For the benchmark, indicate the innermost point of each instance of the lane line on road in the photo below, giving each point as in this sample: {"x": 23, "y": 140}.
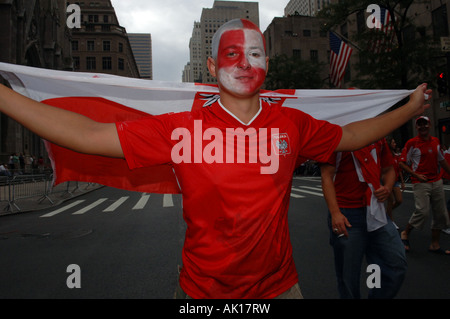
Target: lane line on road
{"x": 307, "y": 192}
{"x": 167, "y": 200}
{"x": 141, "y": 202}
{"x": 116, "y": 204}
{"x": 62, "y": 209}
{"x": 89, "y": 207}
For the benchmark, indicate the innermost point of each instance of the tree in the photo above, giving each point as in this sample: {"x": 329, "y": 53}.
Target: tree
{"x": 293, "y": 73}
{"x": 411, "y": 58}
{"x": 406, "y": 59}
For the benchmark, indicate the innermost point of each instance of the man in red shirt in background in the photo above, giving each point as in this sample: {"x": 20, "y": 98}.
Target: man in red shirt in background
{"x": 422, "y": 157}
{"x": 359, "y": 225}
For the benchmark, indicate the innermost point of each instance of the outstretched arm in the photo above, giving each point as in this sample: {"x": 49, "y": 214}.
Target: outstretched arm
{"x": 361, "y": 133}
{"x": 67, "y": 129}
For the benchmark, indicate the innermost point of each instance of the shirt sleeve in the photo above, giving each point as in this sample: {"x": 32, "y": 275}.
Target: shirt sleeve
{"x": 405, "y": 151}
{"x": 318, "y": 138}
{"x": 147, "y": 141}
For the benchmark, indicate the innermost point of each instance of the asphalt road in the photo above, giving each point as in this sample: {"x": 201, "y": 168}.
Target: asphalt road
{"x": 128, "y": 245}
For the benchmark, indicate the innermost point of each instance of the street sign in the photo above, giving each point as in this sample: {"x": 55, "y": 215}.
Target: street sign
{"x": 445, "y": 44}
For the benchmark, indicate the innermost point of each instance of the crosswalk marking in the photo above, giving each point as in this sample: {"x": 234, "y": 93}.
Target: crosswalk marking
{"x": 307, "y": 192}
{"x": 116, "y": 204}
{"x": 62, "y": 209}
{"x": 167, "y": 200}
{"x": 141, "y": 202}
{"x": 317, "y": 188}
{"x": 89, "y": 207}
{"x": 297, "y": 192}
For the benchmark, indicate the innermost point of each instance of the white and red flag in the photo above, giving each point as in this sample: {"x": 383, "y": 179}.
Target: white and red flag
{"x": 108, "y": 98}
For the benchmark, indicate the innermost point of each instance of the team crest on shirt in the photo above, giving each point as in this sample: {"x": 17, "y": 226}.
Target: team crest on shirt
{"x": 281, "y": 143}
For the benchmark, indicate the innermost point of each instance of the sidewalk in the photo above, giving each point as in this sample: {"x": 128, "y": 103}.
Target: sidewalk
{"x": 58, "y": 195}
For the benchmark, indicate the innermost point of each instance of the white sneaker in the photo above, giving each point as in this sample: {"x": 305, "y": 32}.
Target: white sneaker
{"x": 447, "y": 231}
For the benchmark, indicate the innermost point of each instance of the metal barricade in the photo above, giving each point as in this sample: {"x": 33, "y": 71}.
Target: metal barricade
{"x": 28, "y": 190}
{"x": 24, "y": 187}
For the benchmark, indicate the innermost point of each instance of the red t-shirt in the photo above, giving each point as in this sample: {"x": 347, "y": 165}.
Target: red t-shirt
{"x": 237, "y": 241}
{"x": 423, "y": 156}
{"x": 396, "y": 159}
{"x": 350, "y": 191}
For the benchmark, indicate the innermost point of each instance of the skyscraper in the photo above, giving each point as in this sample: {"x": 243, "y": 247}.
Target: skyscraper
{"x": 141, "y": 44}
{"x": 305, "y": 7}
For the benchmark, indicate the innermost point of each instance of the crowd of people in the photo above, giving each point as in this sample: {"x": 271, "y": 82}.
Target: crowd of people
{"x": 19, "y": 164}
{"x": 237, "y": 243}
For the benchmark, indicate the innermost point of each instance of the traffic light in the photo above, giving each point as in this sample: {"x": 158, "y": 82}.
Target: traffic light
{"x": 442, "y": 83}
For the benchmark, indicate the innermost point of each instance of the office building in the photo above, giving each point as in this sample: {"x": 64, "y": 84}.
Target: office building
{"x": 101, "y": 44}
{"x": 141, "y": 45}
{"x": 304, "y": 7}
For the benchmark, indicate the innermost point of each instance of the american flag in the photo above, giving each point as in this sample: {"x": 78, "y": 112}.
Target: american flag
{"x": 339, "y": 57}
{"x": 384, "y": 29}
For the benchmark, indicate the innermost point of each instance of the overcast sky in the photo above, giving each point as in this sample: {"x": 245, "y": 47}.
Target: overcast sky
{"x": 170, "y": 22}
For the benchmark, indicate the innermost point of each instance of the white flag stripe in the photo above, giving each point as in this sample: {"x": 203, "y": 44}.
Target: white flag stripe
{"x": 154, "y": 97}
{"x": 62, "y": 209}
{"x": 89, "y": 207}
{"x": 141, "y": 202}
{"x": 116, "y": 204}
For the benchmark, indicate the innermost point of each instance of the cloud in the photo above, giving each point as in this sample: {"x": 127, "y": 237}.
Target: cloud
{"x": 170, "y": 22}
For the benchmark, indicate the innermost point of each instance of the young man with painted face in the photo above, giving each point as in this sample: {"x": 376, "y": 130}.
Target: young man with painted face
{"x": 237, "y": 240}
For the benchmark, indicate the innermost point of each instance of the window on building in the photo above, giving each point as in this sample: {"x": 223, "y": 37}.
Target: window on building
{"x": 107, "y": 63}
{"x": 90, "y": 45}
{"x": 440, "y": 22}
{"x": 306, "y": 33}
{"x": 314, "y": 54}
{"x": 76, "y": 62}
{"x": 93, "y": 18}
{"x": 121, "y": 64}
{"x": 91, "y": 63}
{"x": 107, "y": 46}
{"x": 74, "y": 45}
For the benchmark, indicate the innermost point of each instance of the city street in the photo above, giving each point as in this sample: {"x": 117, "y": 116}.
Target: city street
{"x": 128, "y": 245}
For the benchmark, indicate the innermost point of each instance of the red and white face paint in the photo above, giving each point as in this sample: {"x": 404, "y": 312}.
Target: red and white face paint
{"x": 241, "y": 61}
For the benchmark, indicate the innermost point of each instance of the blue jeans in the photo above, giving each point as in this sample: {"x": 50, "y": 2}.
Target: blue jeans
{"x": 382, "y": 247}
